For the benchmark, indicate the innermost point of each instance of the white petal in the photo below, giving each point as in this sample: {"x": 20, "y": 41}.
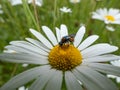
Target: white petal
{"x": 15, "y": 2}
{"x": 102, "y": 82}
{"x": 113, "y": 12}
{"x": 87, "y": 82}
{"x": 117, "y": 16}
{"x": 58, "y": 34}
{"x": 116, "y": 62}
{"x": 37, "y": 2}
{"x": 79, "y": 36}
{"x": 37, "y": 43}
{"x": 50, "y": 35}
{"x": 71, "y": 81}
{"x": 118, "y": 79}
{"x": 29, "y": 46}
{"x": 111, "y": 76}
{"x": 41, "y": 38}
{"x": 98, "y": 49}
{"x": 55, "y": 82}
{"x": 102, "y": 58}
{"x": 40, "y": 83}
{"x": 63, "y": 30}
{"x": 87, "y": 42}
{"x": 24, "y": 65}
{"x": 23, "y": 58}
{"x": 22, "y": 50}
{"x": 97, "y": 16}
{"x": 21, "y": 88}
{"x": 110, "y": 28}
{"x": 9, "y": 50}
{"x": 116, "y": 22}
{"x": 24, "y": 78}
{"x": 105, "y": 68}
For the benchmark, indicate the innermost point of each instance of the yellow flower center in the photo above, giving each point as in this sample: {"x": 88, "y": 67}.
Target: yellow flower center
{"x": 64, "y": 57}
{"x": 110, "y": 18}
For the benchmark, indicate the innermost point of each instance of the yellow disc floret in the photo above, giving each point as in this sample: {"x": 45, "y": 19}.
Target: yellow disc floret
{"x": 64, "y": 57}
{"x": 110, "y": 18}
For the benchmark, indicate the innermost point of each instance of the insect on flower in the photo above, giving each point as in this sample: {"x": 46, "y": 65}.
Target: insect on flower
{"x": 77, "y": 66}
{"x": 67, "y": 39}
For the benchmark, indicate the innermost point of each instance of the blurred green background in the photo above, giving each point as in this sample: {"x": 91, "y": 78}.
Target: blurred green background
{"x": 16, "y": 21}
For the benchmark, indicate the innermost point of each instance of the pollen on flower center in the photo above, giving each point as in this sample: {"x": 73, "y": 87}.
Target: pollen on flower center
{"x": 64, "y": 57}
{"x": 110, "y": 18}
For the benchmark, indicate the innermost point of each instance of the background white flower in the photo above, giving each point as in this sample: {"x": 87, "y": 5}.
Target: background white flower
{"x": 115, "y": 63}
{"x": 17, "y": 2}
{"x": 65, "y": 10}
{"x": 1, "y": 11}
{"x": 74, "y": 1}
{"x": 82, "y": 71}
{"x": 109, "y": 16}
{"x": 37, "y": 2}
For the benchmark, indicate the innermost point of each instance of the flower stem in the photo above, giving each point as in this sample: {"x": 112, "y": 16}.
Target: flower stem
{"x": 14, "y": 70}
{"x": 55, "y": 8}
{"x": 36, "y": 14}
{"x": 29, "y": 15}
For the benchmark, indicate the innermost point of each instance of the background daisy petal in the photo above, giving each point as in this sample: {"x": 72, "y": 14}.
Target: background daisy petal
{"x": 79, "y": 36}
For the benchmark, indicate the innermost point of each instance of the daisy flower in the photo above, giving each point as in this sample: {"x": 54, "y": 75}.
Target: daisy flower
{"x": 111, "y": 16}
{"x": 74, "y": 1}
{"x": 80, "y": 65}
{"x": 115, "y": 63}
{"x": 65, "y": 10}
{"x": 17, "y": 2}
